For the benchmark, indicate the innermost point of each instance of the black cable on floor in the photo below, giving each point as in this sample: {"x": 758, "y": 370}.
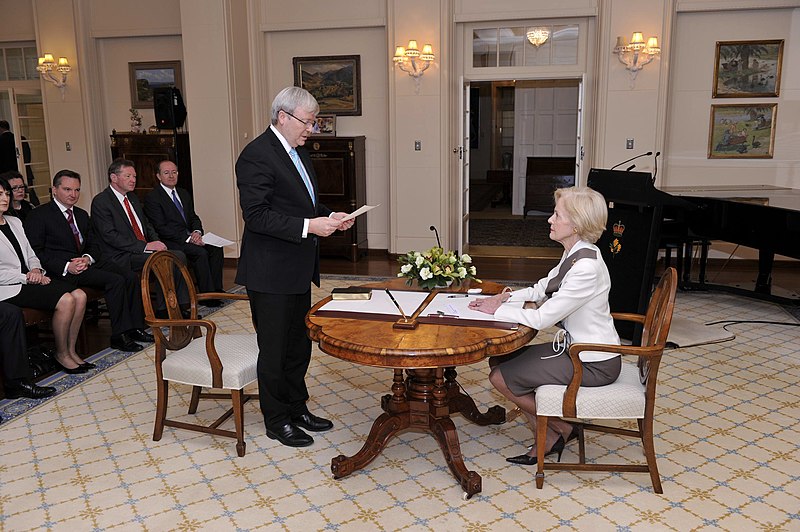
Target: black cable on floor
{"x": 735, "y": 322}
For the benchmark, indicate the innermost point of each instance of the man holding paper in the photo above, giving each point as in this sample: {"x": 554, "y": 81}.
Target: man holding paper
{"x": 284, "y": 220}
{"x": 171, "y": 211}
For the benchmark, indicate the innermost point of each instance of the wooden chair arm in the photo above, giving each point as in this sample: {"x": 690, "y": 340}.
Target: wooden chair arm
{"x": 569, "y": 406}
{"x": 628, "y": 316}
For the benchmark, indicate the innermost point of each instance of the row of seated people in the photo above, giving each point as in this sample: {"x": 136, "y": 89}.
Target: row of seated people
{"x": 59, "y": 248}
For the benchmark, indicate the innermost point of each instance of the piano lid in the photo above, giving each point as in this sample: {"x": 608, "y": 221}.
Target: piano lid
{"x": 767, "y": 195}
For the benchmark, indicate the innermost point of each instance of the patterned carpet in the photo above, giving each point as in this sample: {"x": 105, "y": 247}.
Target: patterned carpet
{"x": 533, "y": 231}
{"x": 727, "y": 433}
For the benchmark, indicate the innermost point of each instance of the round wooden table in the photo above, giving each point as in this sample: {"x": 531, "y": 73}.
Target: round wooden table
{"x": 424, "y": 397}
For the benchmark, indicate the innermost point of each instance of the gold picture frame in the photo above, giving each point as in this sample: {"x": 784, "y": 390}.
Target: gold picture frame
{"x": 748, "y": 69}
{"x": 334, "y": 80}
{"x": 326, "y": 125}
{"x": 148, "y": 75}
{"x": 742, "y": 131}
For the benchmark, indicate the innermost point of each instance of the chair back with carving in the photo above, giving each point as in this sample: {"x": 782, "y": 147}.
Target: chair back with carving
{"x": 163, "y": 266}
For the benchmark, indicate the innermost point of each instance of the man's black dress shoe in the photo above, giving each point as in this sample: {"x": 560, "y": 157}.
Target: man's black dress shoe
{"x": 290, "y": 435}
{"x": 15, "y": 390}
{"x": 123, "y": 343}
{"x": 311, "y": 422}
{"x": 139, "y": 335}
{"x": 212, "y": 303}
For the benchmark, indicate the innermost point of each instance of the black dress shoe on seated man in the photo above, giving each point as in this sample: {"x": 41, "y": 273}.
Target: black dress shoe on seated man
{"x": 123, "y": 343}
{"x": 140, "y": 335}
{"x": 23, "y": 388}
{"x": 311, "y": 422}
{"x": 290, "y": 435}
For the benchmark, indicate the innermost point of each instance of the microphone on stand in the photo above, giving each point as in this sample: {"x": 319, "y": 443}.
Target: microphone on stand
{"x": 655, "y": 166}
{"x": 438, "y": 242}
{"x": 631, "y": 159}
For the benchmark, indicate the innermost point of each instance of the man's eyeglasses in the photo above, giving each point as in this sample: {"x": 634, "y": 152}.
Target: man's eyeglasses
{"x": 308, "y": 123}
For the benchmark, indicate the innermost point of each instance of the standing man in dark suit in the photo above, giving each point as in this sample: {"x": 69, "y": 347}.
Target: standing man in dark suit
{"x": 284, "y": 220}
{"x": 171, "y": 211}
{"x": 8, "y": 148}
{"x": 60, "y": 235}
{"x": 125, "y": 235}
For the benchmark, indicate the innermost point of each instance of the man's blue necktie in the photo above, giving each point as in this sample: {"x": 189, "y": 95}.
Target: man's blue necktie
{"x": 296, "y": 160}
{"x": 177, "y": 203}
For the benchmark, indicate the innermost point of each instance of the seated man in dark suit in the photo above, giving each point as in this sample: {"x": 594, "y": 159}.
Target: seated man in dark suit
{"x": 124, "y": 234}
{"x": 60, "y": 234}
{"x": 171, "y": 211}
{"x": 17, "y": 373}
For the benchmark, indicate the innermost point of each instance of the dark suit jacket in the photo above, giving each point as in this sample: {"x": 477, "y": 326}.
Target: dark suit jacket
{"x": 51, "y": 237}
{"x": 113, "y": 230}
{"x": 275, "y": 258}
{"x": 165, "y": 217}
{"x": 8, "y": 152}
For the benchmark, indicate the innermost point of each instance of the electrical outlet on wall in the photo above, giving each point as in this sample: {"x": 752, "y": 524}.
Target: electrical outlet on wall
{"x": 628, "y": 144}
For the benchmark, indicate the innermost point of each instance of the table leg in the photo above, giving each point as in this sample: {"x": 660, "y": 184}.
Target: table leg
{"x": 384, "y": 428}
{"x": 460, "y": 402}
{"x": 444, "y": 430}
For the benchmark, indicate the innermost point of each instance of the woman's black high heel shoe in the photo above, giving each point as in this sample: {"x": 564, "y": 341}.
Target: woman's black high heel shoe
{"x": 70, "y": 371}
{"x": 526, "y": 459}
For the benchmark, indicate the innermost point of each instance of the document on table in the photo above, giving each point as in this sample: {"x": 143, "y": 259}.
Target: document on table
{"x": 215, "y": 240}
{"x": 457, "y": 306}
{"x": 380, "y": 303}
{"x": 358, "y": 212}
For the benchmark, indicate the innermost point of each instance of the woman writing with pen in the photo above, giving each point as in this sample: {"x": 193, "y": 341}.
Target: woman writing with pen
{"x": 574, "y": 296}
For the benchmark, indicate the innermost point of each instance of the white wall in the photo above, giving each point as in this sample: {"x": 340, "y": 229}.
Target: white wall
{"x": 370, "y": 43}
{"x": 691, "y": 81}
{"x": 114, "y": 55}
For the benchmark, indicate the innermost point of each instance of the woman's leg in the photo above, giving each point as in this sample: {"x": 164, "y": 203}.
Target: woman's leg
{"x": 527, "y": 403}
{"x": 75, "y": 324}
{"x": 62, "y": 320}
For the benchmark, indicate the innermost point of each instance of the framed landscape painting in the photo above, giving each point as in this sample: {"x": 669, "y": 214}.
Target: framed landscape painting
{"x": 334, "y": 80}
{"x": 742, "y": 131}
{"x": 748, "y": 69}
{"x": 149, "y": 75}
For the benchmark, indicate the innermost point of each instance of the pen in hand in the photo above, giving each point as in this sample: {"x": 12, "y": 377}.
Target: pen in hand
{"x": 396, "y": 304}
{"x": 458, "y": 295}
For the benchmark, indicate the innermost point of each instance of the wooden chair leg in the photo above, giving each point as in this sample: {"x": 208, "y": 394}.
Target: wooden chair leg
{"x": 646, "y": 429}
{"x": 541, "y": 441}
{"x": 238, "y": 420}
{"x": 195, "y": 400}
{"x": 581, "y": 444}
{"x": 162, "y": 391}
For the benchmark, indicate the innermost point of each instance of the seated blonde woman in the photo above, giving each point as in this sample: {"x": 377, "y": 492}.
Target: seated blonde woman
{"x": 23, "y": 283}
{"x": 574, "y": 296}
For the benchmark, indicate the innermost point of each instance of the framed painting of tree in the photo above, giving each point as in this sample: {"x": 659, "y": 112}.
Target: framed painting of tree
{"x": 748, "y": 69}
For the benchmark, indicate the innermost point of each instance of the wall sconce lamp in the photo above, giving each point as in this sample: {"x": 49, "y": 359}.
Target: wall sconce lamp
{"x": 636, "y": 54}
{"x": 406, "y": 59}
{"x": 46, "y": 66}
{"x": 537, "y": 36}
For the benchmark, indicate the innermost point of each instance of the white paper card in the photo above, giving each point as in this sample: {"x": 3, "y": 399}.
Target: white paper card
{"x": 358, "y": 212}
{"x": 214, "y": 240}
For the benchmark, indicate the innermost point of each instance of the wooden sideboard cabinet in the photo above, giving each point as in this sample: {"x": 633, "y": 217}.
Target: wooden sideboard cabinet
{"x": 340, "y": 165}
{"x": 147, "y": 150}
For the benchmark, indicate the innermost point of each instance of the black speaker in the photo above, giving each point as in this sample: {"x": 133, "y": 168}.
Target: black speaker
{"x": 169, "y": 108}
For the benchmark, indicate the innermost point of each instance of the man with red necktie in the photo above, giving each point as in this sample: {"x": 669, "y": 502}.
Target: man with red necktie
{"x": 60, "y": 235}
{"x": 125, "y": 235}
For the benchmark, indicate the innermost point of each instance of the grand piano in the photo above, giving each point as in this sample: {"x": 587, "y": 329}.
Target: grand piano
{"x": 642, "y": 218}
{"x": 762, "y": 217}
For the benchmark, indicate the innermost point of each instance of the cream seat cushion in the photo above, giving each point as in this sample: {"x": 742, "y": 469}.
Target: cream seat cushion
{"x": 237, "y": 352}
{"x": 622, "y": 399}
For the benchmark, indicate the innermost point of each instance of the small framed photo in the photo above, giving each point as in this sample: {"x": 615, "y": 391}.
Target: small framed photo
{"x": 742, "y": 131}
{"x": 748, "y": 69}
{"x": 334, "y": 80}
{"x": 326, "y": 125}
{"x": 149, "y": 75}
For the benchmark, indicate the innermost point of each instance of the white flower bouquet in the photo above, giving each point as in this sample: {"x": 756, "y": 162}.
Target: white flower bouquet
{"x": 436, "y": 267}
